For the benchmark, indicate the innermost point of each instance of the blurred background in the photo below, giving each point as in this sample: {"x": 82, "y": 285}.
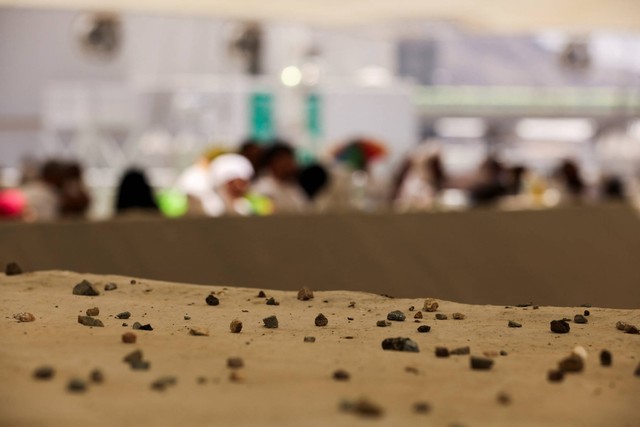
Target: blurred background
{"x": 338, "y": 105}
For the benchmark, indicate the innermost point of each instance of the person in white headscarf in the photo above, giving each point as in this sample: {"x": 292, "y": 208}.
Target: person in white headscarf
{"x": 230, "y": 176}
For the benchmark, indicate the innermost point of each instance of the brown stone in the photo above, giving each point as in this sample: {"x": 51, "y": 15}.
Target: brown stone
{"x": 430, "y": 305}
{"x": 24, "y": 317}
{"x": 235, "y": 326}
{"x": 305, "y": 294}
{"x": 93, "y": 311}
{"x": 129, "y": 338}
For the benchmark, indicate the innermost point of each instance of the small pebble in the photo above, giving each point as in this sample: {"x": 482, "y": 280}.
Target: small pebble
{"x": 212, "y": 300}
{"x": 637, "y": 371}
{"x": 503, "y": 398}
{"x": 631, "y": 329}
{"x": 383, "y": 323}
{"x": 605, "y": 358}
{"x": 129, "y": 338}
{"x": 235, "y": 377}
{"x": 321, "y": 320}
{"x": 201, "y": 380}
{"x": 461, "y": 351}
{"x": 421, "y": 407}
{"x": 97, "y": 376}
{"x": 572, "y": 363}
{"x": 555, "y": 376}
{"x": 12, "y": 269}
{"x": 424, "y": 328}
{"x": 123, "y": 315}
{"x": 110, "y": 286}
{"x": 440, "y": 316}
{"x": 400, "y": 344}
{"x": 85, "y": 288}
{"x": 24, "y": 317}
{"x": 503, "y": 353}
{"x": 272, "y": 301}
{"x": 187, "y": 317}
{"x": 146, "y": 327}
{"x": 412, "y": 308}
{"x": 418, "y": 315}
{"x": 235, "y": 326}
{"x": 352, "y": 304}
{"x": 133, "y": 281}
{"x": 430, "y": 305}
{"x": 90, "y": 321}
{"x": 162, "y": 383}
{"x": 363, "y": 407}
{"x": 199, "y": 332}
{"x": 261, "y": 294}
{"x": 235, "y": 362}
{"x": 93, "y": 311}
{"x": 411, "y": 369}
{"x": 442, "y": 352}
{"x": 458, "y": 316}
{"x": 309, "y": 339}
{"x": 513, "y": 324}
{"x": 560, "y": 327}
{"x": 44, "y": 373}
{"x": 305, "y": 294}
{"x": 587, "y": 313}
{"x": 480, "y": 363}
{"x": 621, "y": 326}
{"x": 270, "y": 322}
{"x": 350, "y": 318}
{"x": 396, "y": 315}
{"x": 579, "y": 318}
{"x": 76, "y": 385}
{"x": 341, "y": 375}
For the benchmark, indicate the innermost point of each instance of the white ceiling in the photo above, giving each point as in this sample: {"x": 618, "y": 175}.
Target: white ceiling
{"x": 490, "y": 15}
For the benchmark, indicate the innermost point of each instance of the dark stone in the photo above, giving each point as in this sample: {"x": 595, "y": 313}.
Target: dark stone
{"x": 418, "y": 315}
{"x": 458, "y": 316}
{"x": 421, "y": 407}
{"x": 526, "y": 304}
{"x": 309, "y": 339}
{"x": 135, "y": 361}
{"x": 162, "y": 383}
{"x": 235, "y": 362}
{"x": 350, "y": 318}
{"x": 110, "y": 286}
{"x": 305, "y": 294}
{"x": 400, "y": 344}
{"x": 383, "y": 323}
{"x": 513, "y": 324}
{"x": 261, "y": 294}
{"x": 76, "y": 385}
{"x": 187, "y": 317}
{"x": 579, "y": 318}
{"x": 555, "y": 376}
{"x": 631, "y": 329}
{"x": 503, "y": 398}
{"x": 139, "y": 326}
{"x": 366, "y": 408}
{"x": 396, "y": 315}
{"x": 352, "y": 304}
{"x": 424, "y": 328}
{"x": 341, "y": 375}
{"x": 605, "y": 358}
{"x": 481, "y": 363}
{"x": 587, "y": 313}
{"x": 441, "y": 316}
{"x": 44, "y": 373}
{"x": 272, "y": 301}
{"x": 637, "y": 371}
{"x": 270, "y": 322}
{"x": 140, "y": 365}
{"x": 412, "y": 308}
{"x": 90, "y": 321}
{"x": 621, "y": 326}
{"x": 321, "y": 320}
{"x": 133, "y": 281}
{"x": 573, "y": 363}
{"x": 235, "y": 326}
{"x": 133, "y": 356}
{"x": 12, "y": 269}
{"x": 442, "y": 352}
{"x": 461, "y": 351}
{"x": 503, "y": 353}
{"x": 123, "y": 315}
{"x": 212, "y": 300}
{"x": 93, "y": 311}
{"x": 97, "y": 376}
{"x": 129, "y": 338}
{"x": 85, "y": 288}
{"x": 560, "y": 327}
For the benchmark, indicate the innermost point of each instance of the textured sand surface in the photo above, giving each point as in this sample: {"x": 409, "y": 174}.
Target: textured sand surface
{"x": 286, "y": 381}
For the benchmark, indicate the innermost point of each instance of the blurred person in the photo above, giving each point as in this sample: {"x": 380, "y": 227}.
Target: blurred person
{"x": 569, "y": 178}
{"x": 279, "y": 180}
{"x": 421, "y": 182}
{"x": 612, "y": 188}
{"x": 42, "y": 196}
{"x": 253, "y": 151}
{"x": 195, "y": 183}
{"x": 75, "y": 198}
{"x": 491, "y": 183}
{"x": 134, "y": 194}
{"x": 314, "y": 180}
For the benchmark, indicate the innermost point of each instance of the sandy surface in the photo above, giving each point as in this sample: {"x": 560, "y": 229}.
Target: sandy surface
{"x": 286, "y": 381}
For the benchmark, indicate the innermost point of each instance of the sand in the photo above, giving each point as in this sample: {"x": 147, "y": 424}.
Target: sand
{"x": 288, "y": 382}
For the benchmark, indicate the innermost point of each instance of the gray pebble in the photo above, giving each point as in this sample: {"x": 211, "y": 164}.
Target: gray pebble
{"x": 76, "y": 385}
{"x": 12, "y": 269}
{"x": 309, "y": 339}
{"x": 400, "y": 344}
{"x": 123, "y": 315}
{"x": 270, "y": 322}
{"x": 513, "y": 324}
{"x": 383, "y": 323}
{"x": 212, "y": 300}
{"x": 481, "y": 363}
{"x": 579, "y": 318}
{"x": 90, "y": 321}
{"x": 44, "y": 373}
{"x": 441, "y": 316}
{"x": 110, "y": 286}
{"x": 85, "y": 288}
{"x": 396, "y": 315}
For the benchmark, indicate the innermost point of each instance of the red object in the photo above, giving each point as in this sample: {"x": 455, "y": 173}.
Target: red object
{"x": 12, "y": 203}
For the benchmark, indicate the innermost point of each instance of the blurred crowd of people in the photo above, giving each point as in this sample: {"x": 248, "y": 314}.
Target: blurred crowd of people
{"x": 266, "y": 178}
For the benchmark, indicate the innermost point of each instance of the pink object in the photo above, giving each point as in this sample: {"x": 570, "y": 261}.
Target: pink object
{"x": 12, "y": 203}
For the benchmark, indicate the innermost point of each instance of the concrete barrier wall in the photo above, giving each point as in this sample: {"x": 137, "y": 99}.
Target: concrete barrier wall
{"x": 557, "y": 257}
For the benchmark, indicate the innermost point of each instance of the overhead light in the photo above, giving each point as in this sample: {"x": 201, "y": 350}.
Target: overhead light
{"x": 568, "y": 130}
{"x": 454, "y": 127}
{"x": 291, "y": 76}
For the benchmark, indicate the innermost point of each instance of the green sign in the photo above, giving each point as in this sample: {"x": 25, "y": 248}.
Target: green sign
{"x": 314, "y": 126}
{"x": 262, "y": 116}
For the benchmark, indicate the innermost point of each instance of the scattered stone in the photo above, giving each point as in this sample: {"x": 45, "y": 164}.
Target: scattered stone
{"x": 76, "y": 385}
{"x": 309, "y": 339}
{"x": 235, "y": 362}
{"x": 199, "y": 332}
{"x": 85, "y": 288}
{"x": 187, "y": 317}
{"x": 272, "y": 301}
{"x": 412, "y": 308}
{"x": 270, "y": 322}
{"x": 235, "y": 377}
{"x": 480, "y": 363}
{"x": 411, "y": 369}
{"x": 605, "y": 358}
{"x": 110, "y": 286}
{"x": 24, "y": 317}
{"x": 133, "y": 281}
{"x": 587, "y": 313}
{"x": 201, "y": 380}
{"x": 579, "y": 318}
{"x": 261, "y": 294}
{"x": 503, "y": 398}
{"x": 536, "y": 307}
{"x": 503, "y": 353}
{"x": 442, "y": 352}
{"x": 418, "y": 315}
{"x": 136, "y": 361}
{"x": 560, "y": 327}
{"x": 44, "y": 373}
{"x": 350, "y": 318}
{"x": 440, "y": 316}
{"x": 123, "y": 315}
{"x": 400, "y": 344}
{"x": 396, "y": 315}
{"x": 235, "y": 326}
{"x": 458, "y": 316}
{"x": 96, "y": 376}
{"x": 363, "y": 408}
{"x": 572, "y": 363}
{"x": 305, "y": 294}
{"x": 125, "y": 324}
{"x": 321, "y": 320}
{"x": 141, "y": 327}
{"x": 421, "y": 407}
{"x": 513, "y": 324}
{"x": 526, "y": 304}
{"x": 212, "y": 300}
{"x": 352, "y": 304}
{"x": 133, "y": 356}
{"x": 341, "y": 375}
{"x": 430, "y": 305}
{"x": 424, "y": 328}
{"x": 90, "y": 321}
{"x": 621, "y": 326}
{"x": 93, "y": 311}
{"x": 383, "y": 323}
{"x": 129, "y": 338}
{"x": 461, "y": 351}
{"x": 631, "y": 329}
{"x": 162, "y": 383}
{"x": 12, "y": 269}
{"x": 555, "y": 376}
